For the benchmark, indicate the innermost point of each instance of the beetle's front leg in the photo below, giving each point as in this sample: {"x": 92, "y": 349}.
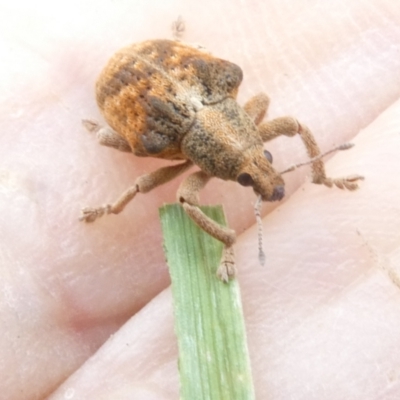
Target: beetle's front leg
{"x": 289, "y": 126}
{"x": 188, "y": 193}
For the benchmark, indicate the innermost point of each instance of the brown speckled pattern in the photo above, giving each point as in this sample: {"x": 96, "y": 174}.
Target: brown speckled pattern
{"x": 149, "y": 93}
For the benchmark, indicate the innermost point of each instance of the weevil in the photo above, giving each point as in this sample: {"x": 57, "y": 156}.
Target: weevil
{"x": 166, "y": 99}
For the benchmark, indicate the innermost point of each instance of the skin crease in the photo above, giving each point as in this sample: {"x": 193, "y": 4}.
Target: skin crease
{"x": 322, "y": 316}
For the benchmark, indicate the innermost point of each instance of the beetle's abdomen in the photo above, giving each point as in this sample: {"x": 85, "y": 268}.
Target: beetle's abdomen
{"x": 148, "y": 93}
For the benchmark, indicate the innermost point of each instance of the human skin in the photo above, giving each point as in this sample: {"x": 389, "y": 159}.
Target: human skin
{"x": 322, "y": 315}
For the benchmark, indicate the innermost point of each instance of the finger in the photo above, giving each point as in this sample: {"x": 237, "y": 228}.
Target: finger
{"x": 326, "y": 301}
{"x": 46, "y": 155}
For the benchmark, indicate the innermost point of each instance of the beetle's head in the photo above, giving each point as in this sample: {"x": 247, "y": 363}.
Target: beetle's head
{"x": 257, "y": 171}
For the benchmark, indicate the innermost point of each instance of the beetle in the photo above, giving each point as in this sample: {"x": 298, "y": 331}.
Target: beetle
{"x": 166, "y": 99}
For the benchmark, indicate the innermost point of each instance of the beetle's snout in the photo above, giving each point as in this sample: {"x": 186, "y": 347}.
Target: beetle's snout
{"x": 258, "y": 172}
{"x": 278, "y": 193}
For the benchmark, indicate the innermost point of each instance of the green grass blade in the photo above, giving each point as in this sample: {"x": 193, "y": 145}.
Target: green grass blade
{"x": 213, "y": 356}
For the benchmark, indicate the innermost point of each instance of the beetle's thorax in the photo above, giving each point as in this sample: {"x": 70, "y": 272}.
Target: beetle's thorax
{"x": 218, "y": 139}
{"x": 224, "y": 142}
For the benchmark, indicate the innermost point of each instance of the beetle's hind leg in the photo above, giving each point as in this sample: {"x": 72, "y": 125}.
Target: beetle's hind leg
{"x": 106, "y": 136}
{"x": 188, "y": 194}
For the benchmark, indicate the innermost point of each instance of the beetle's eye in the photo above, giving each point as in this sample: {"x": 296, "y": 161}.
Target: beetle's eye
{"x": 268, "y": 156}
{"x": 245, "y": 179}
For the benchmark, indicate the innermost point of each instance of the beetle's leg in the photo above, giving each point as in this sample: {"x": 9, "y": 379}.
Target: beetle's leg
{"x": 143, "y": 184}
{"x": 289, "y": 126}
{"x": 188, "y": 196}
{"x": 178, "y": 28}
{"x": 106, "y": 136}
{"x": 257, "y": 107}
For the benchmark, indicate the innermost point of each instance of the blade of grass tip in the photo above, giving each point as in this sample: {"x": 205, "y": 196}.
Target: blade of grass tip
{"x": 213, "y": 355}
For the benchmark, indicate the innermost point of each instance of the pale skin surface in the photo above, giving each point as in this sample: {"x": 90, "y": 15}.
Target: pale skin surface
{"x": 322, "y": 316}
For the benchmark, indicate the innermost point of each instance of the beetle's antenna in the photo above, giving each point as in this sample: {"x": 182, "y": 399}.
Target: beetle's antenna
{"x": 344, "y": 146}
{"x": 257, "y": 212}
{"x": 257, "y": 206}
